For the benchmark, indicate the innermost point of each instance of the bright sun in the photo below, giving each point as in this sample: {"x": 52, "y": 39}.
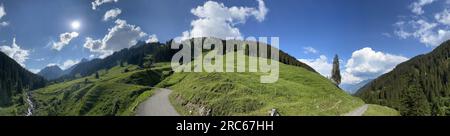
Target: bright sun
{"x": 75, "y": 25}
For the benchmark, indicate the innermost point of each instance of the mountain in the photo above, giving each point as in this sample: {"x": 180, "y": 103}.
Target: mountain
{"x": 54, "y": 72}
{"x": 117, "y": 84}
{"x": 352, "y": 88}
{"x": 14, "y": 80}
{"x": 298, "y": 92}
{"x": 134, "y": 55}
{"x": 419, "y": 86}
{"x": 51, "y": 72}
{"x": 161, "y": 52}
{"x": 114, "y": 92}
{"x": 69, "y": 70}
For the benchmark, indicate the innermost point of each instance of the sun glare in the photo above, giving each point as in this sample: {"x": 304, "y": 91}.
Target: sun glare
{"x": 75, "y": 25}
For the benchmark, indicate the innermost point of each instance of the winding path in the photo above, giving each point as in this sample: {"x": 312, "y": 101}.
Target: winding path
{"x": 157, "y": 105}
{"x": 358, "y": 112}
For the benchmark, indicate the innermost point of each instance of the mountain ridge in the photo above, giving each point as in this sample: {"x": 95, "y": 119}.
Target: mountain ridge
{"x": 419, "y": 86}
{"x": 353, "y": 88}
{"x": 161, "y": 52}
{"x": 51, "y": 72}
{"x": 15, "y": 80}
{"x": 54, "y": 71}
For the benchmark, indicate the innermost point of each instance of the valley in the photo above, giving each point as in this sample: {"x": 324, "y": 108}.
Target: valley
{"x": 127, "y": 83}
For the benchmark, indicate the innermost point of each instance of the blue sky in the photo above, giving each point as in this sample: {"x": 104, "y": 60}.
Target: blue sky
{"x": 370, "y": 36}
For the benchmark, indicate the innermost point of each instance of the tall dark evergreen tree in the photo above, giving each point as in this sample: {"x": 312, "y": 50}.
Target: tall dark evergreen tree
{"x": 96, "y": 75}
{"x": 121, "y": 64}
{"x": 336, "y": 72}
{"x": 415, "y": 102}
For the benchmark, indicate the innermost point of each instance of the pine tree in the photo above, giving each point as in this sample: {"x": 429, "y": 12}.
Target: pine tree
{"x": 148, "y": 61}
{"x": 96, "y": 75}
{"x": 121, "y": 64}
{"x": 415, "y": 101}
{"x": 336, "y": 72}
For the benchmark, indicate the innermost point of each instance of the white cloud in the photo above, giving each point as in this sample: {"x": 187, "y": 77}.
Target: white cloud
{"x": 431, "y": 32}
{"x": 69, "y": 63}
{"x": 428, "y": 33}
{"x": 368, "y": 64}
{"x": 217, "y": 20}
{"x": 364, "y": 64}
{"x": 98, "y": 47}
{"x": 65, "y": 65}
{"x": 52, "y": 64}
{"x": 348, "y": 78}
{"x": 112, "y": 14}
{"x": 41, "y": 59}
{"x": 15, "y": 52}
{"x": 93, "y": 45}
{"x": 35, "y": 71}
{"x": 97, "y": 3}
{"x": 4, "y": 24}
{"x": 122, "y": 35}
{"x": 417, "y": 7}
{"x": 320, "y": 64}
{"x": 64, "y": 39}
{"x": 2, "y": 11}
{"x": 152, "y": 39}
{"x": 388, "y": 35}
{"x": 435, "y": 38}
{"x": 308, "y": 50}
{"x": 262, "y": 11}
{"x": 443, "y": 17}
{"x": 2, "y": 14}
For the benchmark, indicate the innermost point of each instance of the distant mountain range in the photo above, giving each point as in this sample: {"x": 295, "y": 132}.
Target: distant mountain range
{"x": 51, "y": 72}
{"x": 14, "y": 80}
{"x": 55, "y": 72}
{"x": 352, "y": 88}
{"x": 419, "y": 86}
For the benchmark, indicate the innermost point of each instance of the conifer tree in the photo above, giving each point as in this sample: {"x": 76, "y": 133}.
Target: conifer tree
{"x": 336, "y": 72}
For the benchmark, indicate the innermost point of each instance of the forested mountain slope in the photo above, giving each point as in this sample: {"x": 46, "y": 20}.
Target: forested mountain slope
{"x": 419, "y": 86}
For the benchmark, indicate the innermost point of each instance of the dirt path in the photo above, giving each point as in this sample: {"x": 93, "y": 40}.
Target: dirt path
{"x": 157, "y": 105}
{"x": 358, "y": 112}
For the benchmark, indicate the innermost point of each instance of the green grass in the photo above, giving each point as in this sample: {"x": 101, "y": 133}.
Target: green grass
{"x": 5, "y": 111}
{"x": 19, "y": 108}
{"x": 377, "y": 110}
{"x": 297, "y": 92}
{"x": 115, "y": 93}
{"x": 15, "y": 110}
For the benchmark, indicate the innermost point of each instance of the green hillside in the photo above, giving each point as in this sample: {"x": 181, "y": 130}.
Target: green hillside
{"x": 118, "y": 88}
{"x": 377, "y": 110}
{"x": 419, "y": 86}
{"x": 14, "y": 81}
{"x": 297, "y": 92}
{"x": 117, "y": 91}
